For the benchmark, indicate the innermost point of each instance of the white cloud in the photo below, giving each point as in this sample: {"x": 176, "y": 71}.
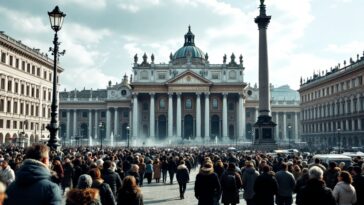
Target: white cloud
{"x": 349, "y": 48}
{"x": 136, "y": 5}
{"x": 83, "y": 34}
{"x": 94, "y": 4}
{"x": 23, "y": 21}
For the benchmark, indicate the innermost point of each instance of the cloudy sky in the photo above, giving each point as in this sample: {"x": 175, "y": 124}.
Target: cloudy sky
{"x": 102, "y": 36}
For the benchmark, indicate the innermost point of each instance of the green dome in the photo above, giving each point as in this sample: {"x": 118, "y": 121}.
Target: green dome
{"x": 189, "y": 50}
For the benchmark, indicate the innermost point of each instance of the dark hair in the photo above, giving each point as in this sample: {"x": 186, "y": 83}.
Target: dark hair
{"x": 37, "y": 152}
{"x": 266, "y": 168}
{"x": 317, "y": 160}
{"x": 284, "y": 166}
{"x": 332, "y": 165}
{"x": 231, "y": 166}
{"x": 107, "y": 164}
{"x": 346, "y": 177}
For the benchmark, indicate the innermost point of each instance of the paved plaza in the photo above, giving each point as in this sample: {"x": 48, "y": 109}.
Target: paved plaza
{"x": 163, "y": 194}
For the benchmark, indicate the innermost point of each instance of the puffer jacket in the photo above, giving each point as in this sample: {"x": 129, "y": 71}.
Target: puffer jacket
{"x": 33, "y": 185}
{"x": 344, "y": 193}
{"x": 249, "y": 177}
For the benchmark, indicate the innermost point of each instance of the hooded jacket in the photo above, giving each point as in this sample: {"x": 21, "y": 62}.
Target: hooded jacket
{"x": 249, "y": 177}
{"x": 33, "y": 184}
{"x": 182, "y": 174}
{"x": 344, "y": 193}
{"x": 207, "y": 186}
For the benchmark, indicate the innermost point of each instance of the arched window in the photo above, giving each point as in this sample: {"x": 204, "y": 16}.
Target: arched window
{"x": 188, "y": 103}
{"x": 162, "y": 104}
{"x": 215, "y": 104}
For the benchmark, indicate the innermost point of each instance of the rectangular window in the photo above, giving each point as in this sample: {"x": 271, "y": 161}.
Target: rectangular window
{"x": 84, "y": 114}
{"x": 15, "y": 107}
{"x": 103, "y": 114}
{"x": 17, "y": 63}
{"x": 16, "y": 88}
{"x": 44, "y": 95}
{"x": 8, "y": 108}
{"x": 3, "y": 83}
{"x": 11, "y": 61}
{"x": 28, "y": 67}
{"x": 22, "y": 108}
{"x": 37, "y": 93}
{"x": 32, "y": 110}
{"x": 26, "y": 109}
{"x": 2, "y": 105}
{"x": 15, "y": 124}
{"x": 215, "y": 76}
{"x": 1, "y": 123}
{"x": 360, "y": 79}
{"x": 126, "y": 114}
{"x": 37, "y": 111}
{"x": 33, "y": 70}
{"x": 45, "y": 75}
{"x": 8, "y": 122}
{"x": 50, "y": 77}
{"x": 23, "y": 65}
{"x": 38, "y": 72}
{"x": 3, "y": 57}
{"x": 44, "y": 112}
{"x": 22, "y": 89}
{"x": 28, "y": 91}
{"x": 10, "y": 85}
{"x": 33, "y": 93}
{"x": 49, "y": 96}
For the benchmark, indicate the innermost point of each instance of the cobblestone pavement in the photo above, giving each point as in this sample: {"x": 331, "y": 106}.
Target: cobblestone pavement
{"x": 163, "y": 194}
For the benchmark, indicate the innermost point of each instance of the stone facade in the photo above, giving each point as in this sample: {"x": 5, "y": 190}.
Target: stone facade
{"x": 25, "y": 92}
{"x": 332, "y": 106}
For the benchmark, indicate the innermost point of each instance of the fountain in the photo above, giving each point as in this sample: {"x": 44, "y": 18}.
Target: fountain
{"x": 90, "y": 141}
{"x": 112, "y": 139}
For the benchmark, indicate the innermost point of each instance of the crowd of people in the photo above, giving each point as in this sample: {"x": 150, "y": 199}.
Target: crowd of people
{"x": 116, "y": 175}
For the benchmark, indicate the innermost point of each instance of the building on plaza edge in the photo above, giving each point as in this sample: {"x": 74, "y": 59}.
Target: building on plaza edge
{"x": 186, "y": 99}
{"x": 332, "y": 106}
{"x": 25, "y": 92}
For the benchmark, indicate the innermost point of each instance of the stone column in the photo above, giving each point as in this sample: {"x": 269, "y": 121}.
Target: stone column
{"x": 135, "y": 116}
{"x": 358, "y": 106}
{"x": 198, "y": 115}
{"x": 75, "y": 123}
{"x": 256, "y": 114}
{"x": 108, "y": 123}
{"x": 96, "y": 123}
{"x": 152, "y": 116}
{"x": 277, "y": 127}
{"x": 359, "y": 124}
{"x": 170, "y": 115}
{"x": 224, "y": 116}
{"x": 179, "y": 117}
{"x": 296, "y": 126}
{"x": 89, "y": 123}
{"x": 353, "y": 122}
{"x": 347, "y": 124}
{"x": 241, "y": 114}
{"x": 284, "y": 126}
{"x": 116, "y": 122}
{"x": 207, "y": 116}
{"x": 68, "y": 129}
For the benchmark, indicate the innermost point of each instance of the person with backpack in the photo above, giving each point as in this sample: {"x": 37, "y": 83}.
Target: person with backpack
{"x": 106, "y": 195}
{"x": 230, "y": 184}
{"x": 183, "y": 177}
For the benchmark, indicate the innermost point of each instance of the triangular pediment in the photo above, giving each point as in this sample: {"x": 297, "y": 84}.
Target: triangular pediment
{"x": 189, "y": 77}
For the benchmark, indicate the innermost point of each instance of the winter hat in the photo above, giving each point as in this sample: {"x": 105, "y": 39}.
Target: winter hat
{"x": 84, "y": 181}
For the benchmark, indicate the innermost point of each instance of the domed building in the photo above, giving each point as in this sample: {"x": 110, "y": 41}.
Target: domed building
{"x": 188, "y": 98}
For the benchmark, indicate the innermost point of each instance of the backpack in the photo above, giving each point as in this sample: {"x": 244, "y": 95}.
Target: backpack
{"x": 228, "y": 182}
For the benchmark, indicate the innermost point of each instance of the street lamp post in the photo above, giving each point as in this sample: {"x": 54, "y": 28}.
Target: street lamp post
{"x": 56, "y": 19}
{"x": 128, "y": 135}
{"x": 289, "y": 136}
{"x": 338, "y": 138}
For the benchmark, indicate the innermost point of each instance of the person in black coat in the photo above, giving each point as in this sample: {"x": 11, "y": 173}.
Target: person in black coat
{"x": 230, "y": 184}
{"x": 183, "y": 177}
{"x": 134, "y": 171}
{"x": 207, "y": 185}
{"x": 265, "y": 187}
{"x": 315, "y": 192}
{"x": 110, "y": 177}
{"x": 172, "y": 167}
{"x": 358, "y": 183}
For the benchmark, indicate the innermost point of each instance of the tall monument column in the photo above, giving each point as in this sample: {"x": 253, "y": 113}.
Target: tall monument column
{"x": 264, "y": 127}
